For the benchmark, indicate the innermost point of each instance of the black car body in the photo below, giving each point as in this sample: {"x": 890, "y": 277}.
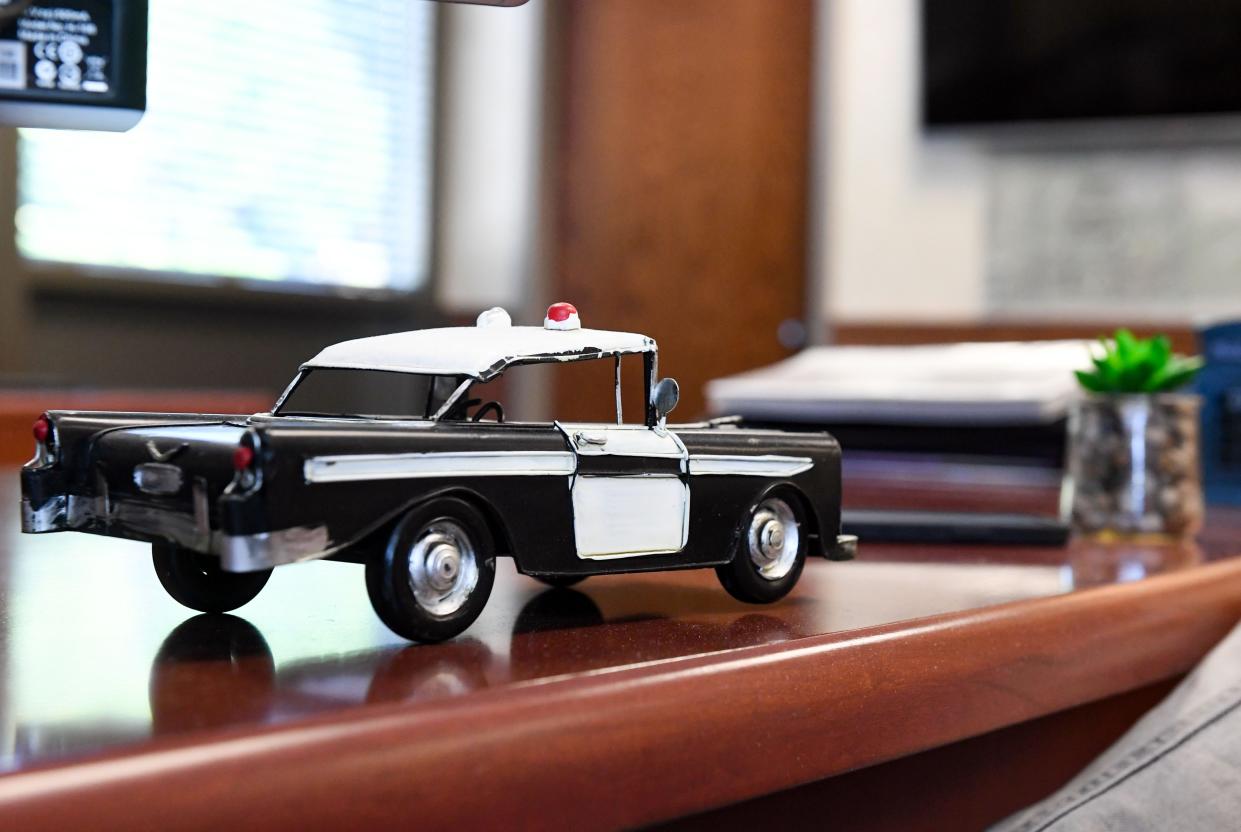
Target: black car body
{"x": 233, "y": 496}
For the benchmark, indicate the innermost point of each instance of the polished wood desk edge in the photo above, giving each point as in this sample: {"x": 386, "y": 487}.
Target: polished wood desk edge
{"x": 685, "y": 734}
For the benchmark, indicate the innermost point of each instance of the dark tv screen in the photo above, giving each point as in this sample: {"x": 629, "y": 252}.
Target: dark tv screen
{"x": 999, "y": 61}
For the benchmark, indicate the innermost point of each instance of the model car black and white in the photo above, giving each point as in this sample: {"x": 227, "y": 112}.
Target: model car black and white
{"x": 429, "y": 486}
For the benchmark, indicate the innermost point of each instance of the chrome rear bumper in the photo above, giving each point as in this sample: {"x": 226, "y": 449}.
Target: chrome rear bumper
{"x": 238, "y": 553}
{"x": 52, "y": 516}
{"x": 252, "y": 552}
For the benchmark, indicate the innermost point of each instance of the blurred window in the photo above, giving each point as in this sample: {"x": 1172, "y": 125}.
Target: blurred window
{"x": 287, "y": 140}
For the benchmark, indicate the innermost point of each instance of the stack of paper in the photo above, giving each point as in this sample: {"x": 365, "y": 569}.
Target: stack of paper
{"x": 973, "y": 383}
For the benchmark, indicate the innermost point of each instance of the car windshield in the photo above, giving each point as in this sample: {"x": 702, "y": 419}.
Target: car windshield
{"x": 369, "y": 394}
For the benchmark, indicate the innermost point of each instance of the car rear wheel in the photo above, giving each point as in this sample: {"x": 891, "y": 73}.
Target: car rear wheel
{"x": 197, "y": 581}
{"x": 435, "y": 575}
{"x": 770, "y": 553}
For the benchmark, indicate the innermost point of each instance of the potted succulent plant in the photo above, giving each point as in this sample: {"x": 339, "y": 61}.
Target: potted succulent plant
{"x": 1133, "y": 464}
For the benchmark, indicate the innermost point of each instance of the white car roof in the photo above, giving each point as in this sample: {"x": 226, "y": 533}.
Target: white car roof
{"x": 478, "y": 352}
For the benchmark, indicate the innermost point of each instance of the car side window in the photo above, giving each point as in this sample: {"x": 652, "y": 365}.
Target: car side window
{"x": 574, "y": 391}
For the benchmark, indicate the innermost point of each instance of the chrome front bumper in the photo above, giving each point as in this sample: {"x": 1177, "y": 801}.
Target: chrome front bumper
{"x": 844, "y": 549}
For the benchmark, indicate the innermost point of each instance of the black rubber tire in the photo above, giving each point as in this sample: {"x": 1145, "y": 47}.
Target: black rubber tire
{"x": 560, "y": 581}
{"x": 388, "y": 578}
{"x": 741, "y": 577}
{"x": 196, "y": 580}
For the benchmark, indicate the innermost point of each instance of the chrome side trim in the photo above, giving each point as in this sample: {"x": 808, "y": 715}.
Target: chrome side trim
{"x": 354, "y": 467}
{"x": 748, "y": 466}
{"x": 51, "y": 517}
{"x": 252, "y": 552}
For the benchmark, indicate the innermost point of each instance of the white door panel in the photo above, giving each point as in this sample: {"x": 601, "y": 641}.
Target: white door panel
{"x": 619, "y": 516}
{"x": 642, "y": 511}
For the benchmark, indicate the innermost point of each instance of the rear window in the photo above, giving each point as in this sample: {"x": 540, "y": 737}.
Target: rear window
{"x": 368, "y": 393}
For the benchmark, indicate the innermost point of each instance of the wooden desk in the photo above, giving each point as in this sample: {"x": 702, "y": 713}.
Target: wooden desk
{"x": 952, "y": 683}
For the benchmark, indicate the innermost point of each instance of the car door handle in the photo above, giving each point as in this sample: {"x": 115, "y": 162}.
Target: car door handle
{"x": 590, "y": 438}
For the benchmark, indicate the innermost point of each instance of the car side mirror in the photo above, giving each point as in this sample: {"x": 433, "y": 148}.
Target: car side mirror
{"x": 665, "y": 396}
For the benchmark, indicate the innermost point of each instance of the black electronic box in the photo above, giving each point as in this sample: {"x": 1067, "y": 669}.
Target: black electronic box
{"x": 73, "y": 64}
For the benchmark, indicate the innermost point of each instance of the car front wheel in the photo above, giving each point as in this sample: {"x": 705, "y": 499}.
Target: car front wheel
{"x": 435, "y": 575}
{"x": 770, "y": 553}
{"x": 197, "y": 581}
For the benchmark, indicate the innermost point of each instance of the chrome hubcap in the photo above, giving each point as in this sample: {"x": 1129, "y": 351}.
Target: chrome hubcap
{"x": 443, "y": 567}
{"x": 774, "y": 539}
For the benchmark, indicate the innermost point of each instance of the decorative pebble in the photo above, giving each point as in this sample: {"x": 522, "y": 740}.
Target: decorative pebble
{"x": 1165, "y": 495}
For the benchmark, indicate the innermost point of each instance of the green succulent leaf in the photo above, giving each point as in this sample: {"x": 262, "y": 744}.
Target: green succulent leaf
{"x": 1176, "y": 373}
{"x": 1091, "y": 381}
{"x": 1126, "y": 345}
{"x": 1128, "y": 364}
{"x": 1107, "y": 365}
{"x": 1160, "y": 350}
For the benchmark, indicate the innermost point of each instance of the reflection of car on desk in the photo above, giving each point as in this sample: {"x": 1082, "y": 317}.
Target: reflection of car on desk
{"x": 372, "y": 456}
{"x": 554, "y": 632}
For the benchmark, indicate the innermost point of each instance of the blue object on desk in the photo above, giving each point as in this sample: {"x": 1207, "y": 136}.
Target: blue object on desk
{"x": 1219, "y": 384}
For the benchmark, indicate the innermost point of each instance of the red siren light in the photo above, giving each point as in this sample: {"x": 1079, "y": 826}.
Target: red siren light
{"x": 562, "y": 315}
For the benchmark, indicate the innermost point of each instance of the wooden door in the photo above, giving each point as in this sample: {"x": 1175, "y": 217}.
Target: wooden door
{"x": 680, "y": 176}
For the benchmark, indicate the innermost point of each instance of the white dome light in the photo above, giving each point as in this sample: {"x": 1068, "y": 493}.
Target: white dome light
{"x": 494, "y": 317}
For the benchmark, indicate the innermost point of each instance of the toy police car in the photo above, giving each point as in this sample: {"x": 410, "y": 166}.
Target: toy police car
{"x": 372, "y": 455}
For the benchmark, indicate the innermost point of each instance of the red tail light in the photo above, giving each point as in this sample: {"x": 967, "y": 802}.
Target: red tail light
{"x": 42, "y": 429}
{"x": 243, "y": 457}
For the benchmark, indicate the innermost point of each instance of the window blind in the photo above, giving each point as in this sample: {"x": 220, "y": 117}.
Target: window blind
{"x": 287, "y": 140}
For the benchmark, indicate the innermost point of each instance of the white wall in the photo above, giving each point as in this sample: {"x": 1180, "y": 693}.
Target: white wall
{"x": 902, "y": 217}
{"x": 490, "y": 143}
